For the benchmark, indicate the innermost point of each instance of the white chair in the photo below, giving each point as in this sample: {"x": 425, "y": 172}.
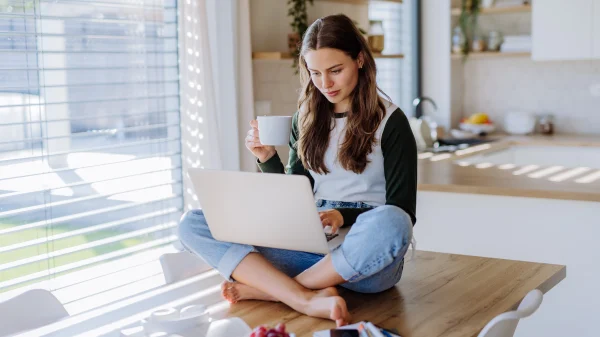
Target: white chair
{"x": 29, "y": 310}
{"x": 181, "y": 265}
{"x": 505, "y": 324}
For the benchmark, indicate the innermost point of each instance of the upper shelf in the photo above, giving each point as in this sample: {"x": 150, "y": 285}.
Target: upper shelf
{"x": 490, "y": 54}
{"x": 266, "y": 55}
{"x": 498, "y": 10}
{"x": 359, "y": 2}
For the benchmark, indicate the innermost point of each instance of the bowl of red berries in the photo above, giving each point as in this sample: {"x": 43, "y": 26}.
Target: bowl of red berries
{"x": 265, "y": 331}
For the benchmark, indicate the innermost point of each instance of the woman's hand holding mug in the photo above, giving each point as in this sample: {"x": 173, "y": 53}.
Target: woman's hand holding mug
{"x": 260, "y": 151}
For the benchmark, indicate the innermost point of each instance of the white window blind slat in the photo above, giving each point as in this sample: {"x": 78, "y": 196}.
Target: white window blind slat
{"x": 97, "y": 243}
{"x": 74, "y": 52}
{"x": 107, "y": 68}
{"x": 5, "y": 87}
{"x": 132, "y": 260}
{"x": 90, "y": 229}
{"x": 24, "y": 19}
{"x": 77, "y": 216}
{"x": 72, "y": 201}
{"x": 118, "y": 99}
{"x": 149, "y": 170}
{"x": 86, "y": 262}
{"x": 72, "y": 284}
{"x": 37, "y": 171}
{"x": 90, "y": 135}
{"x": 162, "y": 141}
{"x": 119, "y": 115}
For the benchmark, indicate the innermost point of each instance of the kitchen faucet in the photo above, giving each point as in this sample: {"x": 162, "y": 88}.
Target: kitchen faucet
{"x": 424, "y": 127}
{"x": 417, "y": 102}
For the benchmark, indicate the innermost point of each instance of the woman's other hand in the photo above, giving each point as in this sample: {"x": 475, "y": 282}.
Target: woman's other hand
{"x": 262, "y": 152}
{"x": 332, "y": 218}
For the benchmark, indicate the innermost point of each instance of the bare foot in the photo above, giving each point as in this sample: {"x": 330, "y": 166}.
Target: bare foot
{"x": 332, "y": 307}
{"x": 324, "y": 303}
{"x": 236, "y": 291}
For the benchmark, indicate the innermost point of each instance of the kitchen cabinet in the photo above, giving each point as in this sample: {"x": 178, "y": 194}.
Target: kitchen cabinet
{"x": 562, "y": 30}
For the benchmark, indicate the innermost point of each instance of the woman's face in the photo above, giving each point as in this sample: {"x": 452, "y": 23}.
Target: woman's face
{"x": 335, "y": 74}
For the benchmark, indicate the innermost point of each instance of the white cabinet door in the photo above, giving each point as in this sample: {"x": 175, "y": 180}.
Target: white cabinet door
{"x": 562, "y": 30}
{"x": 596, "y": 30}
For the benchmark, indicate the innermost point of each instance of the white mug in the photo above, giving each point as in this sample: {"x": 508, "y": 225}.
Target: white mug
{"x": 274, "y": 130}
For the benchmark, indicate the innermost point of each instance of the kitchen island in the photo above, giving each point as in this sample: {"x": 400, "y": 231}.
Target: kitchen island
{"x": 439, "y": 295}
{"x": 493, "y": 200}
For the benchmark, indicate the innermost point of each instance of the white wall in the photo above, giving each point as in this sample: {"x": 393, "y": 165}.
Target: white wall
{"x": 562, "y": 88}
{"x": 435, "y": 22}
{"x": 276, "y": 84}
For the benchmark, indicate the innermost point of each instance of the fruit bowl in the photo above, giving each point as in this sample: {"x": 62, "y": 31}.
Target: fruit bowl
{"x": 478, "y": 128}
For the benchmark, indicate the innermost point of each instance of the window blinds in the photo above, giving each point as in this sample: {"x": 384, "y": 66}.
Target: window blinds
{"x": 90, "y": 167}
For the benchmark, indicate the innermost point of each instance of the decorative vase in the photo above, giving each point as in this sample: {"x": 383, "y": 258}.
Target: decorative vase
{"x": 458, "y": 41}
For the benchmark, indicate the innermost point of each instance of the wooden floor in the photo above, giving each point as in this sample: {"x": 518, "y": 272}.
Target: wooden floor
{"x": 439, "y": 295}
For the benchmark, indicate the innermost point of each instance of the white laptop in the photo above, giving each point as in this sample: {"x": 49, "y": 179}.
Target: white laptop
{"x": 262, "y": 209}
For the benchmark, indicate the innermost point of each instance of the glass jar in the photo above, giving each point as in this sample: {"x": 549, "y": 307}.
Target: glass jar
{"x": 458, "y": 40}
{"x": 546, "y": 124}
{"x": 478, "y": 44}
{"x": 375, "y": 36}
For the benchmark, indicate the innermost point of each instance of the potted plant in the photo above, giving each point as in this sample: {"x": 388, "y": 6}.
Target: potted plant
{"x": 468, "y": 21}
{"x": 299, "y": 24}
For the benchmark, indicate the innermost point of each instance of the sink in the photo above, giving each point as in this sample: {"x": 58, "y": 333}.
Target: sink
{"x": 451, "y": 145}
{"x": 470, "y": 141}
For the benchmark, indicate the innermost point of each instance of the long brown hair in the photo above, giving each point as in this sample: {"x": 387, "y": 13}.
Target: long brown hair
{"x": 367, "y": 108}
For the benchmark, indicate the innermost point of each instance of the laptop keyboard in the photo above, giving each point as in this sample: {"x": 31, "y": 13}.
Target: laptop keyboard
{"x": 330, "y": 236}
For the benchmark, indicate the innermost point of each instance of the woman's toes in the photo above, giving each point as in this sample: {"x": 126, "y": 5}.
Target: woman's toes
{"x": 228, "y": 291}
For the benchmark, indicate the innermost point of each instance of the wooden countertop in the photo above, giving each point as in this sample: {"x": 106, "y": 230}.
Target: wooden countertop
{"x": 439, "y": 295}
{"x": 438, "y": 173}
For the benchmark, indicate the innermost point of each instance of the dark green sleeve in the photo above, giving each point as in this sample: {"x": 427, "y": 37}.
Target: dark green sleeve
{"x": 294, "y": 166}
{"x": 399, "y": 150}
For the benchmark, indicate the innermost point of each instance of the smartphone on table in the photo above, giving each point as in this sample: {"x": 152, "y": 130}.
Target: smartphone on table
{"x": 344, "y": 333}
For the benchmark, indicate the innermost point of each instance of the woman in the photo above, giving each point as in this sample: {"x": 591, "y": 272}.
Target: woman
{"x": 360, "y": 155}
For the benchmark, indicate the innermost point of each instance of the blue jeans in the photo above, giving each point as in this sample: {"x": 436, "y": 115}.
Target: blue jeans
{"x": 370, "y": 259}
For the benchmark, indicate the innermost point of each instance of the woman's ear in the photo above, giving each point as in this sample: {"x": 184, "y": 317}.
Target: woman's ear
{"x": 361, "y": 60}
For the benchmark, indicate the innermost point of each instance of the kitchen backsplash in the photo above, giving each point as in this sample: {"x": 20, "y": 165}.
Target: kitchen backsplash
{"x": 570, "y": 90}
{"x": 275, "y": 81}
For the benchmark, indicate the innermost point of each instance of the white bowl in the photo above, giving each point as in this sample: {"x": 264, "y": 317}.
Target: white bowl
{"x": 175, "y": 326}
{"x": 172, "y": 320}
{"x": 519, "y": 123}
{"x": 478, "y": 128}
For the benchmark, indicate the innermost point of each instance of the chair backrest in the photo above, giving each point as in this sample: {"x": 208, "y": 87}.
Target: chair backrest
{"x": 29, "y": 310}
{"x": 505, "y": 324}
{"x": 181, "y": 265}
